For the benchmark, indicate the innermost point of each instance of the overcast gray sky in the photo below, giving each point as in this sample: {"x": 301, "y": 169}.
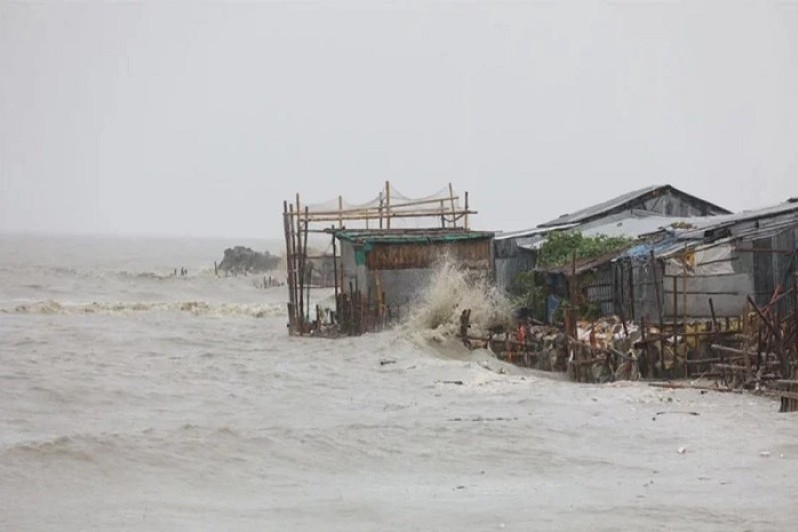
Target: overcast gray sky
{"x": 199, "y": 119}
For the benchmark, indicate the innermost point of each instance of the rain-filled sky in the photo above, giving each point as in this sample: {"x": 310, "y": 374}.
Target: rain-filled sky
{"x": 200, "y": 118}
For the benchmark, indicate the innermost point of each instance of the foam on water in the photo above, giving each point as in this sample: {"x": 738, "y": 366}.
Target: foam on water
{"x": 197, "y": 308}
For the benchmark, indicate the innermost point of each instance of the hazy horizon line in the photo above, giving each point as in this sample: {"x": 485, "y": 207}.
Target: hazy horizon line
{"x": 153, "y": 236}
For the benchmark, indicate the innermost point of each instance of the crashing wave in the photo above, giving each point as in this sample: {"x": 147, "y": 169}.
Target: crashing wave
{"x": 451, "y": 290}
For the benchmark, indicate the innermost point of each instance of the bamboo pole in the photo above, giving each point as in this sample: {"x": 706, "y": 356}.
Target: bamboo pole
{"x": 571, "y": 329}
{"x": 716, "y": 329}
{"x": 631, "y": 289}
{"x": 657, "y": 290}
{"x": 762, "y": 316}
{"x": 451, "y": 199}
{"x": 387, "y": 204}
{"x": 684, "y": 306}
{"x": 374, "y": 215}
{"x": 465, "y": 219}
{"x": 293, "y": 266}
{"x": 675, "y": 306}
{"x": 375, "y": 210}
{"x": 725, "y": 349}
{"x": 300, "y": 279}
{"x": 379, "y": 296}
{"x": 289, "y": 275}
{"x": 335, "y": 274}
{"x": 304, "y": 304}
{"x": 307, "y": 301}
{"x": 381, "y": 201}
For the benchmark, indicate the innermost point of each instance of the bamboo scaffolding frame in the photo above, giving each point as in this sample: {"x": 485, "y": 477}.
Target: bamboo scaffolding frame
{"x": 377, "y": 208}
{"x": 412, "y": 214}
{"x": 298, "y": 222}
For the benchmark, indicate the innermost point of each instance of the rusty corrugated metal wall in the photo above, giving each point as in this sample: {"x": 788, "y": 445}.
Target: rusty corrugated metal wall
{"x": 473, "y": 254}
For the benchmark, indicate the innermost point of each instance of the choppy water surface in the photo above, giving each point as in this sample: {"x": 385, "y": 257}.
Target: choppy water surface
{"x": 132, "y": 399}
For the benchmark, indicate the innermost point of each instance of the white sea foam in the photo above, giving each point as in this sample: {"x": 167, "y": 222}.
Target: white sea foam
{"x": 197, "y": 308}
{"x": 451, "y": 290}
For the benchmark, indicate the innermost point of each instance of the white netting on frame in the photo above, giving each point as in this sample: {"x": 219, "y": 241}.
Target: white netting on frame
{"x": 397, "y": 201}
{"x": 406, "y": 212}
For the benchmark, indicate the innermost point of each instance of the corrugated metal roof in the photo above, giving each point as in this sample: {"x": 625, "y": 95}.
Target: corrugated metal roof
{"x": 674, "y": 240}
{"x": 633, "y": 226}
{"x": 523, "y": 233}
{"x": 601, "y": 207}
{"x": 617, "y": 202}
{"x": 706, "y": 223}
{"x": 409, "y": 236}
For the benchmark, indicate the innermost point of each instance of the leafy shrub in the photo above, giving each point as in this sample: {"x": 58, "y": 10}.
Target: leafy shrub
{"x": 561, "y": 245}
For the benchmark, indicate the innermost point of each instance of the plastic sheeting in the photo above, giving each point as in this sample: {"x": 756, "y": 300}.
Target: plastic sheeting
{"x": 715, "y": 260}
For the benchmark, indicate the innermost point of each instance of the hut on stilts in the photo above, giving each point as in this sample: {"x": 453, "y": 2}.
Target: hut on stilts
{"x": 384, "y": 251}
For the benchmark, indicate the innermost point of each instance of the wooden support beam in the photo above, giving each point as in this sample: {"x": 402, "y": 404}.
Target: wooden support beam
{"x": 762, "y": 316}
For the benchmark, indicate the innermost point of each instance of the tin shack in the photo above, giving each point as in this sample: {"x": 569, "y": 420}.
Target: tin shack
{"x": 693, "y": 268}
{"x": 516, "y": 251}
{"x": 383, "y": 270}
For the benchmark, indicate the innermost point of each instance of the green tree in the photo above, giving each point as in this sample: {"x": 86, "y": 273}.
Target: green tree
{"x": 560, "y": 247}
{"x": 528, "y": 293}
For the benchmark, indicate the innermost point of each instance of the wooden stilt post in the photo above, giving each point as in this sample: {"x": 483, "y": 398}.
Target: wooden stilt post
{"x": 716, "y": 330}
{"x": 631, "y": 289}
{"x": 307, "y": 301}
{"x": 684, "y": 306}
{"x": 300, "y": 311}
{"x": 303, "y": 245}
{"x": 571, "y": 327}
{"x": 335, "y": 273}
{"x": 657, "y": 294}
{"x": 291, "y": 265}
{"x": 675, "y": 308}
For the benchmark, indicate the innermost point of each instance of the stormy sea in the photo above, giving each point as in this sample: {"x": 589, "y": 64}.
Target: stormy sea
{"x": 132, "y": 398}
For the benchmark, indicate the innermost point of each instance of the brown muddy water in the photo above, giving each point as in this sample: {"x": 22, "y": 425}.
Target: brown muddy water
{"x": 135, "y": 400}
